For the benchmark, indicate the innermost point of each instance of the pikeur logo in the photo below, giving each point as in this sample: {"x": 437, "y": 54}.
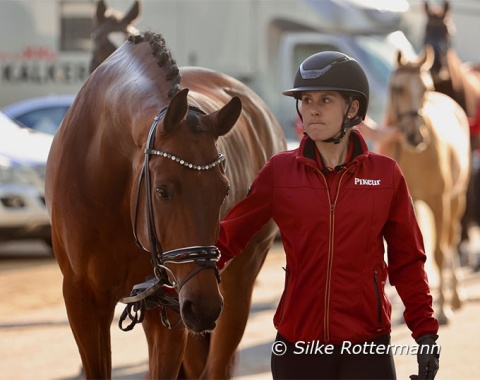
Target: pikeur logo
{"x": 367, "y": 182}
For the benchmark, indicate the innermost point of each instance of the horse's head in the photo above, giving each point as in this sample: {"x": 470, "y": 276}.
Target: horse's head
{"x": 111, "y": 29}
{"x": 408, "y": 86}
{"x": 438, "y": 32}
{"x": 182, "y": 190}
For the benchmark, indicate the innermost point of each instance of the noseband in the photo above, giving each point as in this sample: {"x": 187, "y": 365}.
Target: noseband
{"x": 154, "y": 292}
{"x": 406, "y": 115}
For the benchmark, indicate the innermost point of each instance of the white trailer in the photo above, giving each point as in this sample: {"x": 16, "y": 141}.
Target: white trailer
{"x": 45, "y": 45}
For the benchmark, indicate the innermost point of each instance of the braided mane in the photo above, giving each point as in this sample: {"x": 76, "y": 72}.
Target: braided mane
{"x": 163, "y": 56}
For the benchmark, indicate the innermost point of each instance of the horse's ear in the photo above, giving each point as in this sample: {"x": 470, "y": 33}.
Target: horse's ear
{"x": 228, "y": 116}
{"x": 427, "y": 58}
{"x": 400, "y": 60}
{"x": 132, "y": 13}
{"x": 446, "y": 8}
{"x": 177, "y": 111}
{"x": 100, "y": 11}
{"x": 426, "y": 7}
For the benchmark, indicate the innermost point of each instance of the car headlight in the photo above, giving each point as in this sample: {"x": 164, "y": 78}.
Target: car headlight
{"x": 14, "y": 172}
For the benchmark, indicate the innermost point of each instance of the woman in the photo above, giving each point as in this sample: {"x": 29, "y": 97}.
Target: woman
{"x": 335, "y": 203}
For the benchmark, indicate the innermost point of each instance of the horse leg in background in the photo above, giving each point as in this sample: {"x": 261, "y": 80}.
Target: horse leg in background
{"x": 458, "y": 207}
{"x": 237, "y": 285}
{"x": 90, "y": 320}
{"x": 165, "y": 346}
{"x": 440, "y": 206}
{"x": 468, "y": 217}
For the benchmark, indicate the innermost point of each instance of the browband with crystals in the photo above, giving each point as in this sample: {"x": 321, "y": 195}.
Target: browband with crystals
{"x": 218, "y": 160}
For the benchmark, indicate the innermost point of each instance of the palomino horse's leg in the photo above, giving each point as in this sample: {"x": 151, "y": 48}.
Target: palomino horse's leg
{"x": 440, "y": 207}
{"x": 90, "y": 321}
{"x": 165, "y": 347}
{"x": 458, "y": 205}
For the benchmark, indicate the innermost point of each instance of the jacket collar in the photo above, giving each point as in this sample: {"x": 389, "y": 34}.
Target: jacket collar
{"x": 306, "y": 150}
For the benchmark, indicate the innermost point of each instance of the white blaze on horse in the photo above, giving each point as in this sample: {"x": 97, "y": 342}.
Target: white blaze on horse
{"x": 435, "y": 159}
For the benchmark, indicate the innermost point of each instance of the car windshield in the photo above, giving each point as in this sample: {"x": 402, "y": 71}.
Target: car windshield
{"x": 45, "y": 119}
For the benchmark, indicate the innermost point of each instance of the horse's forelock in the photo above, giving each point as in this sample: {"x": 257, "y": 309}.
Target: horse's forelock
{"x": 192, "y": 125}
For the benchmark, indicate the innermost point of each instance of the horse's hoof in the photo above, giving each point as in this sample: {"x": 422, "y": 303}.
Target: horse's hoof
{"x": 443, "y": 318}
{"x": 457, "y": 302}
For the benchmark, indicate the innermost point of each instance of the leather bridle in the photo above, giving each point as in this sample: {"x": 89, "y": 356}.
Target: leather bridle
{"x": 205, "y": 257}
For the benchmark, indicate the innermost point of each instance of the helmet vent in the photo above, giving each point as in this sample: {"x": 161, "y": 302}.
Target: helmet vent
{"x": 312, "y": 74}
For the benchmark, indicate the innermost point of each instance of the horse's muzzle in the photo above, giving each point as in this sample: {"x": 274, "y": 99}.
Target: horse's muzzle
{"x": 201, "y": 317}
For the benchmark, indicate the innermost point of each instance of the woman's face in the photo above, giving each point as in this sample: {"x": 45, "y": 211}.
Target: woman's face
{"x": 323, "y": 113}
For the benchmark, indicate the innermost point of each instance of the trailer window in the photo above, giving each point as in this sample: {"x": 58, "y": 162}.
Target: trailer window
{"x": 76, "y": 25}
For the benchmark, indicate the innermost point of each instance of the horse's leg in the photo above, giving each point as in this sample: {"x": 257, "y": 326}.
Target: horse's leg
{"x": 90, "y": 320}
{"x": 440, "y": 206}
{"x": 467, "y": 217}
{"x": 458, "y": 206}
{"x": 165, "y": 347}
{"x": 196, "y": 355}
{"x": 238, "y": 282}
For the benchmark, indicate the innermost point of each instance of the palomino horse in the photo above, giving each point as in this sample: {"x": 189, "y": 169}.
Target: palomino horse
{"x": 135, "y": 183}
{"x": 108, "y": 23}
{"x": 459, "y": 81}
{"x": 434, "y": 159}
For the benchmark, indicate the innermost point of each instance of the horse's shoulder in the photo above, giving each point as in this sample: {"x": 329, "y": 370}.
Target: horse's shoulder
{"x": 438, "y": 97}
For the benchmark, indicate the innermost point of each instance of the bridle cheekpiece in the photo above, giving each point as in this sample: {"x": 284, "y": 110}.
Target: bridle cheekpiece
{"x": 154, "y": 292}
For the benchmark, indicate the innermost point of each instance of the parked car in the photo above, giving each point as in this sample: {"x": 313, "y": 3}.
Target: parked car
{"x": 42, "y": 114}
{"x": 23, "y": 157}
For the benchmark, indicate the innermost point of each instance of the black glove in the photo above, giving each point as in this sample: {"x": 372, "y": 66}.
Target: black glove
{"x": 427, "y": 357}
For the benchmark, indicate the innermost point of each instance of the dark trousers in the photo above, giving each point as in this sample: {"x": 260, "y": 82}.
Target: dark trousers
{"x": 314, "y": 361}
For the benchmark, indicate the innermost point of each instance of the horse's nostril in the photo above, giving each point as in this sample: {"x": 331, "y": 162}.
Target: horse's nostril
{"x": 197, "y": 319}
{"x": 187, "y": 309}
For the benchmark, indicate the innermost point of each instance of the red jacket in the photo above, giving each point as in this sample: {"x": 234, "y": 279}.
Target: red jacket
{"x": 332, "y": 230}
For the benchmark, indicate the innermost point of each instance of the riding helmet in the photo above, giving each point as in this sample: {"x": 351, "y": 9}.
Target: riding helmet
{"x": 335, "y": 71}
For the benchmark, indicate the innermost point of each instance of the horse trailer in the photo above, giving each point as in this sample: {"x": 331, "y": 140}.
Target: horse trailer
{"x": 46, "y": 45}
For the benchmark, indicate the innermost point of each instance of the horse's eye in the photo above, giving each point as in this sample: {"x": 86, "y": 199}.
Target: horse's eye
{"x": 397, "y": 90}
{"x": 162, "y": 192}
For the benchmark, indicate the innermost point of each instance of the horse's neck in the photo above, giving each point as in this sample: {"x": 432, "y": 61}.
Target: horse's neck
{"x": 461, "y": 88}
{"x": 101, "y": 51}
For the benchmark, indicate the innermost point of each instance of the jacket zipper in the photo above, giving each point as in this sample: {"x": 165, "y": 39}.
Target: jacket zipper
{"x": 379, "y": 300}
{"x": 326, "y": 319}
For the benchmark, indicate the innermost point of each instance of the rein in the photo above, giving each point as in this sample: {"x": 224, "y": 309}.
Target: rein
{"x": 154, "y": 292}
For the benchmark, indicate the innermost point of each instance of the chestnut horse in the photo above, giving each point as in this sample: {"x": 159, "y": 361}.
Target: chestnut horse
{"x": 136, "y": 183}
{"x": 459, "y": 81}
{"x": 434, "y": 158}
{"x": 108, "y": 23}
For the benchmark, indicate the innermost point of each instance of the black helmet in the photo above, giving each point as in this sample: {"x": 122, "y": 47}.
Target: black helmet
{"x": 335, "y": 71}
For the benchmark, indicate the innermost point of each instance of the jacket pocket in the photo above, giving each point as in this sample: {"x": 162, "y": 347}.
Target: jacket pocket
{"x": 378, "y": 296}
{"x": 277, "y": 319}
